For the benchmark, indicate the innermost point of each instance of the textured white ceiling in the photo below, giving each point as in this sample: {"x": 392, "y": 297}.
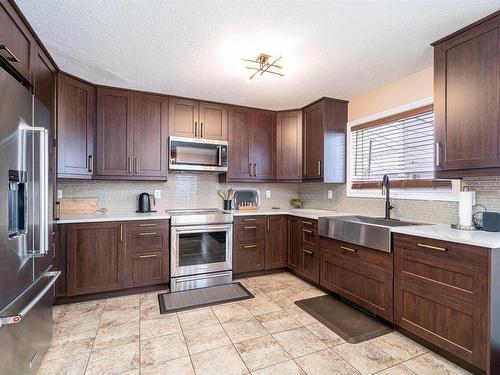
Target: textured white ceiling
{"x": 193, "y": 48}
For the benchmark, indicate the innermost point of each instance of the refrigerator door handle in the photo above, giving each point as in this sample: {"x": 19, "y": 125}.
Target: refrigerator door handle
{"x": 43, "y": 190}
{"x": 17, "y": 318}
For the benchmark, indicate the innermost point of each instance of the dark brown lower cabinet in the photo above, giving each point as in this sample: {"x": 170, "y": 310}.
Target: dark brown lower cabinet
{"x": 303, "y": 249}
{"x": 359, "y": 274}
{"x": 95, "y": 258}
{"x": 276, "y": 242}
{"x": 441, "y": 295}
{"x": 147, "y": 269}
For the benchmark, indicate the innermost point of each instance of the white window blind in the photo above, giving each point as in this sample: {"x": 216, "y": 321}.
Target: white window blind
{"x": 400, "y": 146}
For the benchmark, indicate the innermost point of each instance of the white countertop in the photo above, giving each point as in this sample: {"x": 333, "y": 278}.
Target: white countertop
{"x": 74, "y": 219}
{"x": 446, "y": 233}
{"x": 309, "y": 213}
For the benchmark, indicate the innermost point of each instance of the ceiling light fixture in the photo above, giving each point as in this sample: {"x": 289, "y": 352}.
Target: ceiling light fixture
{"x": 264, "y": 64}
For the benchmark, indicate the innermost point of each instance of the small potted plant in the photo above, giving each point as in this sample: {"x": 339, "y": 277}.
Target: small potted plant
{"x": 296, "y": 203}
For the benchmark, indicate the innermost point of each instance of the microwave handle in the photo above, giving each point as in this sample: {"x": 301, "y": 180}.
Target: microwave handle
{"x": 219, "y": 152}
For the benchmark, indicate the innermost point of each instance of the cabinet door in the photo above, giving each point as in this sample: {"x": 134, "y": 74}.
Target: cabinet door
{"x": 467, "y": 100}
{"x": 44, "y": 80}
{"x": 240, "y": 122}
{"x": 115, "y": 132}
{"x": 295, "y": 244}
{"x": 150, "y": 135}
{"x": 147, "y": 269}
{"x": 313, "y": 142}
{"x": 95, "y": 258}
{"x": 276, "y": 241}
{"x": 183, "y": 118}
{"x": 262, "y": 141}
{"x": 75, "y": 122}
{"x": 15, "y": 36}
{"x": 213, "y": 121}
{"x": 441, "y": 295}
{"x": 289, "y": 146}
{"x": 248, "y": 256}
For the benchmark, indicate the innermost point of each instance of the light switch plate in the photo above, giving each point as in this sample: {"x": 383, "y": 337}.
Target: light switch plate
{"x": 59, "y": 194}
{"x": 330, "y": 194}
{"x": 268, "y": 193}
{"x": 157, "y": 194}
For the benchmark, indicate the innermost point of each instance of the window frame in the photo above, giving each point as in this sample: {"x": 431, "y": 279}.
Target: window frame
{"x": 424, "y": 193}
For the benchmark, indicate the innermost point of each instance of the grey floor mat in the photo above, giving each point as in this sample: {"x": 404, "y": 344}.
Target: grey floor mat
{"x": 194, "y": 298}
{"x": 350, "y": 323}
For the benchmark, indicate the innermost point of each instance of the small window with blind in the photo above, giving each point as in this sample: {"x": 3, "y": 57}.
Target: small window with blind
{"x": 401, "y": 146}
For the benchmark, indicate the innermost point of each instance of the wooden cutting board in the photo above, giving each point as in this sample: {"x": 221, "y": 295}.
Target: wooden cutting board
{"x": 80, "y": 206}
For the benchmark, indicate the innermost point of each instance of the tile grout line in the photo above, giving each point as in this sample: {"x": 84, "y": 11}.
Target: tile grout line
{"x": 95, "y": 336}
{"x": 187, "y": 347}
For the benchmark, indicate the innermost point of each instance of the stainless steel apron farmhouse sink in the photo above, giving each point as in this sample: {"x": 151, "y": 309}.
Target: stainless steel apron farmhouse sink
{"x": 372, "y": 232}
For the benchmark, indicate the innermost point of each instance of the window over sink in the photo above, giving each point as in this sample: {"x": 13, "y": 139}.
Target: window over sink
{"x": 399, "y": 143}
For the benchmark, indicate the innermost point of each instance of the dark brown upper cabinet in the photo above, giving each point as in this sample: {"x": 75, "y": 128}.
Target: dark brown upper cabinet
{"x": 150, "y": 135}
{"x": 44, "y": 80}
{"x": 289, "y": 146}
{"x": 75, "y": 121}
{"x": 131, "y": 135}
{"x": 324, "y": 131}
{"x": 467, "y": 101}
{"x": 193, "y": 119}
{"x": 17, "y": 41}
{"x": 251, "y": 144}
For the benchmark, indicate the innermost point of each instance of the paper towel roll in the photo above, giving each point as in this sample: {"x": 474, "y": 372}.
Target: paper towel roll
{"x": 467, "y": 199}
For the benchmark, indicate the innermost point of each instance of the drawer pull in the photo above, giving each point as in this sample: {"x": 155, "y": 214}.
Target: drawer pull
{"x": 348, "y": 249}
{"x": 252, "y": 227}
{"x": 148, "y": 225}
{"x": 121, "y": 232}
{"x": 307, "y": 252}
{"x": 249, "y": 219}
{"x": 249, "y": 246}
{"x": 432, "y": 247}
{"x": 307, "y": 231}
{"x": 148, "y": 256}
{"x": 307, "y": 223}
{"x": 147, "y": 234}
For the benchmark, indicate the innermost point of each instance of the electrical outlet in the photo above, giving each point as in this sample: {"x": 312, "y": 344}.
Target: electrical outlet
{"x": 157, "y": 194}
{"x": 268, "y": 193}
{"x": 59, "y": 194}
{"x": 330, "y": 194}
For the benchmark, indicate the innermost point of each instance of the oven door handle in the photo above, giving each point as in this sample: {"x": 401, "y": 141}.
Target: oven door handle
{"x": 203, "y": 229}
{"x": 202, "y": 277}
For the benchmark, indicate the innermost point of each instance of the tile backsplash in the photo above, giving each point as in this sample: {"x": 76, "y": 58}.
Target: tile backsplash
{"x": 184, "y": 190}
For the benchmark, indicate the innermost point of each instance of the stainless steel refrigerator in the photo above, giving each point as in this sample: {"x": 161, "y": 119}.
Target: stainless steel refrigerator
{"x": 26, "y": 275}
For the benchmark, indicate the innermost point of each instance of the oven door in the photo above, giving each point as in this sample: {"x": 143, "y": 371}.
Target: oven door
{"x": 201, "y": 249}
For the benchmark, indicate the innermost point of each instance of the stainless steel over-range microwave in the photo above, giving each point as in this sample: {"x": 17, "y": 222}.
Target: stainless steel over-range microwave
{"x": 192, "y": 154}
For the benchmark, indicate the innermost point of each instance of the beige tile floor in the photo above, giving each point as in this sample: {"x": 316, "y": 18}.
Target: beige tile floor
{"x": 265, "y": 335}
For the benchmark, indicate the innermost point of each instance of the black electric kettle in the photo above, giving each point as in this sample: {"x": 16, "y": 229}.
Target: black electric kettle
{"x": 145, "y": 203}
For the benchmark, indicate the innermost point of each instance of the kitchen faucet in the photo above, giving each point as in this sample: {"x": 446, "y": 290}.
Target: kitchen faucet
{"x": 386, "y": 184}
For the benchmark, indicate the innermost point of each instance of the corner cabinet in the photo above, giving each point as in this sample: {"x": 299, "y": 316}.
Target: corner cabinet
{"x": 324, "y": 144}
{"x": 131, "y": 135}
{"x": 289, "y": 146}
{"x": 303, "y": 248}
{"x": 75, "y": 121}
{"x": 251, "y": 144}
{"x": 467, "y": 101}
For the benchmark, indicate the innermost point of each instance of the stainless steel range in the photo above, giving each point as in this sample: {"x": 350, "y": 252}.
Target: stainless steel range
{"x": 201, "y": 248}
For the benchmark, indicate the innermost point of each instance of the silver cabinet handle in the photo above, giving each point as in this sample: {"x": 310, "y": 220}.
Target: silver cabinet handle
{"x": 249, "y": 246}
{"x": 147, "y": 234}
{"x": 252, "y": 227}
{"x": 121, "y": 232}
{"x": 11, "y": 57}
{"x": 348, "y": 249}
{"x": 307, "y": 252}
{"x": 307, "y": 230}
{"x": 196, "y": 129}
{"x": 148, "y": 225}
{"x": 129, "y": 164}
{"x": 268, "y": 223}
{"x": 17, "y": 318}
{"x": 251, "y": 169}
{"x": 319, "y": 167}
{"x": 437, "y": 248}
{"x": 91, "y": 164}
{"x": 307, "y": 223}
{"x": 438, "y": 154}
{"x": 201, "y": 130}
{"x": 148, "y": 256}
{"x": 249, "y": 219}
{"x": 255, "y": 170}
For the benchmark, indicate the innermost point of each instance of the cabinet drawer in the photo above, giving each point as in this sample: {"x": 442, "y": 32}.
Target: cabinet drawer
{"x": 442, "y": 250}
{"x": 250, "y": 232}
{"x": 309, "y": 223}
{"x": 147, "y": 240}
{"x": 248, "y": 257}
{"x": 249, "y": 220}
{"x": 361, "y": 275}
{"x": 147, "y": 269}
{"x": 309, "y": 238}
{"x": 148, "y": 224}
